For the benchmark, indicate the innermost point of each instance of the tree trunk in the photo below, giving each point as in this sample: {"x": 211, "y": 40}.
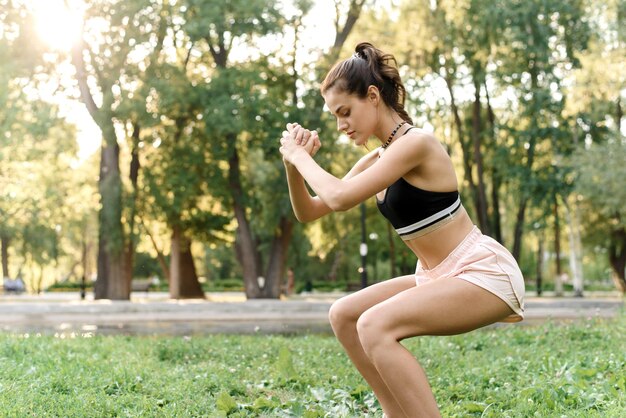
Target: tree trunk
{"x": 467, "y": 157}
{"x": 619, "y": 113}
{"x": 183, "y": 277}
{"x": 580, "y": 279}
{"x": 558, "y": 279}
{"x": 341, "y": 34}
{"x": 4, "y": 242}
{"x": 83, "y": 262}
{"x": 334, "y": 267}
{"x": 575, "y": 249}
{"x": 111, "y": 282}
{"x": 496, "y": 223}
{"x": 175, "y": 255}
{"x": 539, "y": 263}
{"x": 246, "y": 247}
{"x": 129, "y": 252}
{"x": 519, "y": 229}
{"x": 38, "y": 284}
{"x": 617, "y": 257}
{"x": 190, "y": 286}
{"x": 530, "y": 158}
{"x": 160, "y": 256}
{"x": 481, "y": 195}
{"x": 245, "y": 244}
{"x": 521, "y": 211}
{"x": 617, "y": 251}
{"x": 277, "y": 259}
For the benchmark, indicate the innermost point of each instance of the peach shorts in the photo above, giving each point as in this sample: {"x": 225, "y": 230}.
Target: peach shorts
{"x": 483, "y": 261}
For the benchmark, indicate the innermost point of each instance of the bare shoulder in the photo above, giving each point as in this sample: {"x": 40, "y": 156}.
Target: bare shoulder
{"x": 422, "y": 139}
{"x": 415, "y": 145}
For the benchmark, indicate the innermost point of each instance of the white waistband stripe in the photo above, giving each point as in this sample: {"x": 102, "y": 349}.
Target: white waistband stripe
{"x": 431, "y": 219}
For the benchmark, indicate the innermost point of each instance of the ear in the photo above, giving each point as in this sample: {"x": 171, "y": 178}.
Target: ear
{"x": 373, "y": 94}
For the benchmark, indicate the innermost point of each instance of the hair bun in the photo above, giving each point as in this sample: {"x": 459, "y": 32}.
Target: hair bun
{"x": 362, "y": 48}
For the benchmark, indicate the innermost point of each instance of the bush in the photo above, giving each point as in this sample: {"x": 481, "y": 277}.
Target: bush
{"x": 322, "y": 286}
{"x": 67, "y": 286}
{"x": 223, "y": 285}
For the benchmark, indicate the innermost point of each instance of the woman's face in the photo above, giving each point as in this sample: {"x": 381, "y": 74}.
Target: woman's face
{"x": 356, "y": 117}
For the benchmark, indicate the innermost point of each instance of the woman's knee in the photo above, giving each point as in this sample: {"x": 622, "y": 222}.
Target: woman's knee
{"x": 340, "y": 313}
{"x": 372, "y": 332}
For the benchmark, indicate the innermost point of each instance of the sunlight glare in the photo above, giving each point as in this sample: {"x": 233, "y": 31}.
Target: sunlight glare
{"x": 58, "y": 25}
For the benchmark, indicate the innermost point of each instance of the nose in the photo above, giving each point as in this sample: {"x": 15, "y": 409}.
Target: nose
{"x": 341, "y": 125}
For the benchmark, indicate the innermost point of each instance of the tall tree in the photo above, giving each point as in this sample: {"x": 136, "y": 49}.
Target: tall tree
{"x": 261, "y": 247}
{"x": 184, "y": 184}
{"x": 31, "y": 135}
{"x": 600, "y": 177}
{"x": 461, "y": 62}
{"x": 537, "y": 41}
{"x": 100, "y": 60}
{"x": 217, "y": 27}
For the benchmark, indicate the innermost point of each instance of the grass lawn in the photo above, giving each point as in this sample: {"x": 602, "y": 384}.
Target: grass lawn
{"x": 552, "y": 370}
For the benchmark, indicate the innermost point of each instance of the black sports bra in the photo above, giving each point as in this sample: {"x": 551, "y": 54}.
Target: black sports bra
{"x": 414, "y": 212}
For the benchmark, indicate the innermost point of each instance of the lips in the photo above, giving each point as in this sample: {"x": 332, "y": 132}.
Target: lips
{"x": 350, "y": 133}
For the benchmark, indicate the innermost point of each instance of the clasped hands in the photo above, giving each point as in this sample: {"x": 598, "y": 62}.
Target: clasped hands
{"x": 297, "y": 139}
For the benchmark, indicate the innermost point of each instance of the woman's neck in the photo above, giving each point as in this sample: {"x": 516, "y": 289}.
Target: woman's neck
{"x": 387, "y": 126}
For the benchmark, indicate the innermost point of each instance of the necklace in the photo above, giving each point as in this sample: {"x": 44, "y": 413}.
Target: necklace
{"x": 393, "y": 133}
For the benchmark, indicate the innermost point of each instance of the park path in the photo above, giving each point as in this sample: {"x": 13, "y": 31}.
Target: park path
{"x": 153, "y": 313}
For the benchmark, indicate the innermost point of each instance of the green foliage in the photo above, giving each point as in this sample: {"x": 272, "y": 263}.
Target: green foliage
{"x": 68, "y": 286}
{"x": 146, "y": 266}
{"x": 201, "y": 80}
{"x": 35, "y": 210}
{"x": 227, "y": 285}
{"x": 600, "y": 173}
{"x": 235, "y": 19}
{"x": 498, "y": 371}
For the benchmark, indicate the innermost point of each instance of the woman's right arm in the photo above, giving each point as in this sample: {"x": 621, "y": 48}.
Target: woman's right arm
{"x": 308, "y": 208}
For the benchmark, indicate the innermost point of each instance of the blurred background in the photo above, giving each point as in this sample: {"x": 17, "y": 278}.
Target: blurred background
{"x": 139, "y": 139}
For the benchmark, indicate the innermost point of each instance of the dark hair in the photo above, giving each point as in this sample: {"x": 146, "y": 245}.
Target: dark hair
{"x": 369, "y": 66}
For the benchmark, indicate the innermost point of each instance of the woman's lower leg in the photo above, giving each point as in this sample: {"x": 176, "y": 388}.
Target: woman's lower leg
{"x": 405, "y": 378}
{"x": 348, "y": 337}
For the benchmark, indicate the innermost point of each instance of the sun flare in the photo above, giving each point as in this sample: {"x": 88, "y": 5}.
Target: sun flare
{"x": 58, "y": 23}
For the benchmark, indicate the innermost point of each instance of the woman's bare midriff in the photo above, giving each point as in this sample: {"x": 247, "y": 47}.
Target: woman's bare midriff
{"x": 434, "y": 247}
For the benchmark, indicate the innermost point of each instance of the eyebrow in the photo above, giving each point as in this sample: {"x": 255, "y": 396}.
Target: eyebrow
{"x": 338, "y": 109}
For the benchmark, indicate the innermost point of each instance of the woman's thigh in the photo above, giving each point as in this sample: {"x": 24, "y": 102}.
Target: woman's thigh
{"x": 444, "y": 306}
{"x": 353, "y": 305}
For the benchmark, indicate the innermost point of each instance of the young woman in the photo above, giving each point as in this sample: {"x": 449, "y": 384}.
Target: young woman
{"x": 464, "y": 280}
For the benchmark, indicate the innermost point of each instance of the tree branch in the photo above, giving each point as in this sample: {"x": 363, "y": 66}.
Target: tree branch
{"x": 353, "y": 15}
{"x": 81, "y": 77}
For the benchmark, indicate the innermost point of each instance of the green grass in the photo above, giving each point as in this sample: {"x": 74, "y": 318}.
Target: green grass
{"x": 551, "y": 370}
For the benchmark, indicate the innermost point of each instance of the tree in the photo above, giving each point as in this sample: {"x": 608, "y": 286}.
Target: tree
{"x": 100, "y": 61}
{"x": 594, "y": 114}
{"x": 184, "y": 185}
{"x": 218, "y": 28}
{"x": 33, "y": 141}
{"x": 600, "y": 172}
{"x": 537, "y": 41}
